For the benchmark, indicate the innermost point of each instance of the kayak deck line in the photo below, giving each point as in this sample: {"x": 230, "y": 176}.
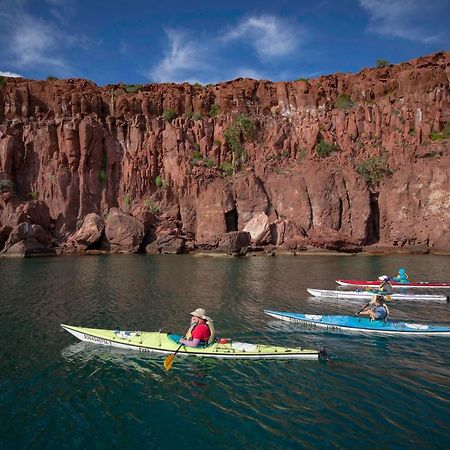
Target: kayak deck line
{"x": 161, "y": 343}
{"x": 369, "y": 294}
{"x": 395, "y": 284}
{"x": 361, "y": 324}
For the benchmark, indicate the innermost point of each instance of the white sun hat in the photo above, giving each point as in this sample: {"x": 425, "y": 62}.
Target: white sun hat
{"x": 200, "y": 312}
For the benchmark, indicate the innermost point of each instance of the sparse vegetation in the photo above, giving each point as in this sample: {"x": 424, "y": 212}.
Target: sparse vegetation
{"x": 197, "y": 116}
{"x": 102, "y": 175}
{"x": 373, "y": 170}
{"x": 161, "y": 182}
{"x": 306, "y": 80}
{"x": 301, "y": 154}
{"x": 33, "y": 195}
{"x": 324, "y": 148}
{"x": 239, "y": 130}
{"x": 2, "y": 81}
{"x": 208, "y": 162}
{"x": 216, "y": 142}
{"x": 382, "y": 63}
{"x": 344, "y": 101}
{"x": 188, "y": 113}
{"x": 6, "y": 185}
{"x": 133, "y": 88}
{"x": 227, "y": 168}
{"x": 196, "y": 146}
{"x": 169, "y": 115}
{"x": 445, "y": 134}
{"x": 51, "y": 78}
{"x": 152, "y": 206}
{"x": 214, "y": 110}
{"x": 127, "y": 200}
{"x": 197, "y": 155}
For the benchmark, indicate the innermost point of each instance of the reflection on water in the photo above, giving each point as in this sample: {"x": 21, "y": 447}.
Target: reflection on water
{"x": 56, "y": 391}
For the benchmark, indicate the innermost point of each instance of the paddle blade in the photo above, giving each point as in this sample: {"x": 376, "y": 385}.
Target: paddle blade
{"x": 168, "y": 362}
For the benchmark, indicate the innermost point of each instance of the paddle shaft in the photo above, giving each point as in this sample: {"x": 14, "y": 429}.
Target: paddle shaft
{"x": 361, "y": 310}
{"x": 178, "y": 349}
{"x": 169, "y": 360}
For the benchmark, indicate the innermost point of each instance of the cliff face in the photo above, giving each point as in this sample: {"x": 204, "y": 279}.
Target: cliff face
{"x": 69, "y": 148}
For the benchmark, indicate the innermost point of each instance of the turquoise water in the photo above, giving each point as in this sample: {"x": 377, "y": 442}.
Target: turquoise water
{"x": 55, "y": 392}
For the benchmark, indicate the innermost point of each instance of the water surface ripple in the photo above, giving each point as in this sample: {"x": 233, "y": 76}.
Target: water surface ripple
{"x": 55, "y": 392}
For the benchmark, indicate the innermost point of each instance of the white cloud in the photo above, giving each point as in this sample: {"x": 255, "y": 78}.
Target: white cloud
{"x": 184, "y": 60}
{"x": 35, "y": 42}
{"x": 402, "y": 18}
{"x": 10, "y": 74}
{"x": 269, "y": 35}
{"x": 246, "y": 72}
{"x": 31, "y": 42}
{"x": 207, "y": 59}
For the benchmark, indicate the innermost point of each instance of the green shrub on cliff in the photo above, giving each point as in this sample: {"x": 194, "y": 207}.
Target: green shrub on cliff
{"x": 373, "y": 170}
{"x": 238, "y": 131}
{"x": 208, "y": 162}
{"x": 344, "y": 101}
{"x": 169, "y": 115}
{"x": 382, "y": 63}
{"x": 214, "y": 110}
{"x": 152, "y": 206}
{"x": 2, "y": 81}
{"x": 102, "y": 175}
{"x": 323, "y": 148}
{"x": 133, "y": 88}
{"x": 445, "y": 134}
{"x": 161, "y": 182}
{"x": 51, "y": 78}
{"x": 227, "y": 168}
{"x": 197, "y": 155}
{"x": 6, "y": 185}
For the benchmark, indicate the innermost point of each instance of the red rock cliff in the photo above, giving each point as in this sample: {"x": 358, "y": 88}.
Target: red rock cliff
{"x": 304, "y": 158}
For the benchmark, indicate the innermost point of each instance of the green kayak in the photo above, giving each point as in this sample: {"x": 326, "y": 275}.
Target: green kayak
{"x": 166, "y": 343}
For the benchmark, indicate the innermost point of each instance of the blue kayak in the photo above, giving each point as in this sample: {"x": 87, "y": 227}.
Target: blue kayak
{"x": 362, "y": 324}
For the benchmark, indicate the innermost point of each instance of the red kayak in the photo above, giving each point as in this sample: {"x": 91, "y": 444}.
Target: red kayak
{"x": 395, "y": 284}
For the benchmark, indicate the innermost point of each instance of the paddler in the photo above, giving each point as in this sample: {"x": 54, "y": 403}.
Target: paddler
{"x": 402, "y": 277}
{"x": 376, "y": 310}
{"x": 201, "y": 331}
{"x": 385, "y": 287}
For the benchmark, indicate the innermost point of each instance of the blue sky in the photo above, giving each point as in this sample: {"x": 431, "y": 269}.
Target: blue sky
{"x": 145, "y": 41}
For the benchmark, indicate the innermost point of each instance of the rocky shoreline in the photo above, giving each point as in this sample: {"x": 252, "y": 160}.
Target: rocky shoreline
{"x": 346, "y": 163}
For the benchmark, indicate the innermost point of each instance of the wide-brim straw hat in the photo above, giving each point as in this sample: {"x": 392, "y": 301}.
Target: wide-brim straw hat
{"x": 200, "y": 312}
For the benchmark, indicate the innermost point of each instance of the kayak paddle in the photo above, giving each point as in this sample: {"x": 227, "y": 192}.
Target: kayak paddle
{"x": 169, "y": 360}
{"x": 363, "y": 308}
